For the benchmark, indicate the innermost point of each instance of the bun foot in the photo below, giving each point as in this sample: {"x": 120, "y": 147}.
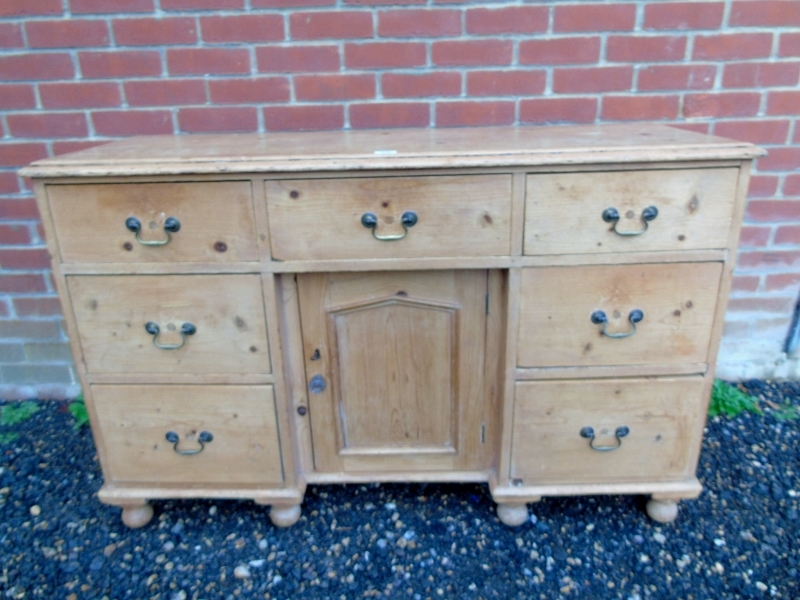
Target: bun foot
{"x": 137, "y": 516}
{"x": 512, "y": 515}
{"x": 284, "y": 516}
{"x": 663, "y": 511}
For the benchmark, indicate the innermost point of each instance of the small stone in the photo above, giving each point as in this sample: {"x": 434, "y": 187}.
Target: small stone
{"x": 718, "y": 568}
{"x": 179, "y": 595}
{"x": 277, "y": 579}
{"x": 660, "y": 538}
{"x": 718, "y": 542}
{"x": 168, "y": 546}
{"x": 97, "y": 563}
{"x": 262, "y": 544}
{"x": 747, "y": 536}
{"x": 109, "y": 550}
{"x": 36, "y": 510}
{"x": 258, "y": 563}
{"x": 241, "y": 572}
{"x": 590, "y": 527}
{"x": 638, "y": 539}
{"x": 177, "y": 528}
{"x": 160, "y": 558}
{"x": 212, "y": 511}
{"x": 762, "y": 587}
{"x": 390, "y": 506}
{"x": 472, "y": 587}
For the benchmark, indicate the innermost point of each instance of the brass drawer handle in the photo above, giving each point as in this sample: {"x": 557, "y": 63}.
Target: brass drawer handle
{"x": 171, "y": 225}
{"x": 370, "y": 221}
{"x": 174, "y": 439}
{"x": 611, "y": 215}
{"x": 621, "y": 432}
{"x": 599, "y": 317}
{"x": 154, "y": 330}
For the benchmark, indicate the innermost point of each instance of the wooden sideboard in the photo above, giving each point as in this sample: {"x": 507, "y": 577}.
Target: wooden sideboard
{"x": 536, "y": 308}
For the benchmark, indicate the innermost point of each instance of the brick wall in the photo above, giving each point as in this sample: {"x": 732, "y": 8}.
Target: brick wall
{"x": 74, "y": 73}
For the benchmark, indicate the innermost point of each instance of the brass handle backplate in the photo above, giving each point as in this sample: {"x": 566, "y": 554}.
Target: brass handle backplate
{"x": 599, "y": 317}
{"x": 153, "y": 329}
{"x": 611, "y": 215}
{"x": 202, "y": 439}
{"x": 621, "y": 432}
{"x": 171, "y": 225}
{"x": 370, "y": 221}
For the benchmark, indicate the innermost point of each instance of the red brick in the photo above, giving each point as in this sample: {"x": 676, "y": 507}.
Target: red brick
{"x": 37, "y": 307}
{"x": 791, "y": 185}
{"x": 47, "y": 125}
{"x": 36, "y": 67}
{"x": 249, "y": 91}
{"x": 330, "y": 25}
{"x": 731, "y": 46}
{"x": 213, "y": 119}
{"x": 201, "y": 4}
{"x": 22, "y": 209}
{"x": 334, "y": 87}
{"x": 24, "y": 259}
{"x": 14, "y": 235}
{"x": 763, "y": 186}
{"x": 558, "y": 110}
{"x": 67, "y": 147}
{"x": 752, "y": 237}
{"x": 783, "y": 103}
{"x": 599, "y": 79}
{"x": 304, "y": 118}
{"x": 768, "y": 211}
{"x": 633, "y": 48}
{"x": 788, "y": 234}
{"x": 473, "y": 53}
{"x": 205, "y": 61}
{"x": 506, "y": 83}
{"x": 11, "y": 36}
{"x": 21, "y": 284}
{"x": 14, "y": 96}
{"x": 389, "y": 114}
{"x": 23, "y": 8}
{"x": 20, "y": 154}
{"x": 77, "y": 94}
{"x": 594, "y": 17}
{"x": 730, "y": 104}
{"x": 789, "y": 44}
{"x": 769, "y": 304}
{"x": 780, "y": 159}
{"x": 384, "y": 55}
{"x": 745, "y": 283}
{"x": 242, "y": 28}
{"x": 120, "y": 64}
{"x": 110, "y": 6}
{"x": 404, "y": 85}
{"x": 132, "y": 122}
{"x": 781, "y": 281}
{"x": 459, "y": 114}
{"x": 419, "y": 23}
{"x": 297, "y": 59}
{"x": 683, "y": 15}
{"x": 383, "y": 2}
{"x": 165, "y": 92}
{"x": 155, "y": 32}
{"x": 511, "y": 19}
{"x": 290, "y": 3}
{"x": 67, "y": 33}
{"x": 560, "y": 51}
{"x": 765, "y": 13}
{"x": 677, "y": 77}
{"x": 9, "y": 183}
{"x": 752, "y": 75}
{"x": 639, "y": 108}
{"x": 757, "y": 132}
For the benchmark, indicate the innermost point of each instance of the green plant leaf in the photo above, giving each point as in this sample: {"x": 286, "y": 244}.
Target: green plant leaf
{"x": 786, "y": 412}
{"x": 7, "y": 438}
{"x": 730, "y": 401}
{"x": 12, "y": 414}
{"x": 78, "y": 410}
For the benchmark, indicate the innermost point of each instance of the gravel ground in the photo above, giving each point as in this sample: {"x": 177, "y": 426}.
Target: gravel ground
{"x": 738, "y": 540}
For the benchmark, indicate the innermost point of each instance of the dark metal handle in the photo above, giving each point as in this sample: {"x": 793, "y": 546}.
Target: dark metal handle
{"x": 171, "y": 225}
{"x": 611, "y": 215}
{"x": 154, "y": 330}
{"x": 599, "y": 317}
{"x": 621, "y": 432}
{"x": 174, "y": 439}
{"x": 370, "y": 221}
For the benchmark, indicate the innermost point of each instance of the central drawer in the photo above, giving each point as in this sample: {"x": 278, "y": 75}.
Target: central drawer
{"x": 390, "y": 217}
{"x": 199, "y": 324}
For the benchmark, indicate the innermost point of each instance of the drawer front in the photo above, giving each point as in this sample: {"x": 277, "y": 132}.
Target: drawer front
{"x": 564, "y": 212}
{"x": 560, "y": 314}
{"x": 550, "y": 417}
{"x": 216, "y": 222}
{"x": 122, "y": 319}
{"x": 135, "y": 420}
{"x": 464, "y": 215}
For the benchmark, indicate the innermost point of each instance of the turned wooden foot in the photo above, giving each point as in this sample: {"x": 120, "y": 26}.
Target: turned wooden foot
{"x": 512, "y": 515}
{"x": 663, "y": 511}
{"x": 284, "y": 516}
{"x": 137, "y": 516}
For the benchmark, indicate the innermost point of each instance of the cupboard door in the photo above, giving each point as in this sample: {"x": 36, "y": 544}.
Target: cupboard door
{"x": 394, "y": 364}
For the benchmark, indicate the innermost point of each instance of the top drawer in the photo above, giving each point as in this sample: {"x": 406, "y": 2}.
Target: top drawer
{"x": 215, "y": 220}
{"x": 390, "y": 217}
{"x": 571, "y": 213}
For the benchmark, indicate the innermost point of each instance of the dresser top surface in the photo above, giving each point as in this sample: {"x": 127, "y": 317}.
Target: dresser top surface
{"x": 391, "y": 149}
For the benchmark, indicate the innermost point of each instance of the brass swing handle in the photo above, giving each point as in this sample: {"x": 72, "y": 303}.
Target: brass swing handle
{"x": 621, "y": 432}
{"x": 174, "y": 439}
{"x": 370, "y": 221}
{"x": 599, "y": 317}
{"x": 171, "y": 225}
{"x": 611, "y": 215}
{"x": 154, "y": 330}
